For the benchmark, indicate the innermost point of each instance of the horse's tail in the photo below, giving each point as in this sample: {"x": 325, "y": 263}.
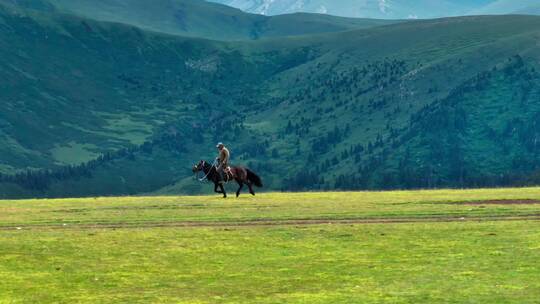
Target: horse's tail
{"x": 254, "y": 178}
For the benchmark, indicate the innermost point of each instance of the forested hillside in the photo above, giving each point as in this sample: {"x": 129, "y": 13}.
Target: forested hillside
{"x": 96, "y": 108}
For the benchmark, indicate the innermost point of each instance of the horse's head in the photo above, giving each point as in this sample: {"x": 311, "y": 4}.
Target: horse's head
{"x": 199, "y": 166}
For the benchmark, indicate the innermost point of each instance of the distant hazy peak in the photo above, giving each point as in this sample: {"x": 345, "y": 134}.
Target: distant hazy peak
{"x": 510, "y": 7}
{"x": 387, "y": 9}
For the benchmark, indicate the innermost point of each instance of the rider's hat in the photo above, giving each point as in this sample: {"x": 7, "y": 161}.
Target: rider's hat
{"x": 220, "y": 144}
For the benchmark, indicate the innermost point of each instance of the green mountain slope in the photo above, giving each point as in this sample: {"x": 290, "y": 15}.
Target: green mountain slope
{"x": 350, "y": 108}
{"x": 75, "y": 85}
{"x": 76, "y": 89}
{"x": 484, "y": 133}
{"x": 419, "y": 104}
{"x": 197, "y": 18}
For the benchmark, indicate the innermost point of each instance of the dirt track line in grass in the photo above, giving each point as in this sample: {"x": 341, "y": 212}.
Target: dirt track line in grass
{"x": 270, "y": 222}
{"x": 497, "y": 202}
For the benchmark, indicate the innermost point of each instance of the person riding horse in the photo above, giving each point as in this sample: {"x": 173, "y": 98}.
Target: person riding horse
{"x": 223, "y": 161}
{"x": 219, "y": 172}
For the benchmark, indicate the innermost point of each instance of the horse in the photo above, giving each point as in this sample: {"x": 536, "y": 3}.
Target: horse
{"x": 241, "y": 175}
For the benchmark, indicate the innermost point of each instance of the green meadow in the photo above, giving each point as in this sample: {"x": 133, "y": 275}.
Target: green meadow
{"x": 444, "y": 246}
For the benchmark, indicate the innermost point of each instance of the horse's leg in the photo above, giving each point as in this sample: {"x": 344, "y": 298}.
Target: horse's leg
{"x": 216, "y": 188}
{"x": 241, "y": 185}
{"x": 223, "y": 190}
{"x": 250, "y": 189}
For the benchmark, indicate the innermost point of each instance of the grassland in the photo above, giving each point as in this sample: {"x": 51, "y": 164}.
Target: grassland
{"x": 363, "y": 247}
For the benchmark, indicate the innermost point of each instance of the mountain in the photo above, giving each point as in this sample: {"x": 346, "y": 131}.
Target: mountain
{"x": 385, "y": 9}
{"x": 530, "y": 10}
{"x": 510, "y": 7}
{"x": 97, "y": 108}
{"x": 197, "y": 18}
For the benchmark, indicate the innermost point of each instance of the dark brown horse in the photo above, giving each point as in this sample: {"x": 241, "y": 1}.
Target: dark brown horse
{"x": 240, "y": 174}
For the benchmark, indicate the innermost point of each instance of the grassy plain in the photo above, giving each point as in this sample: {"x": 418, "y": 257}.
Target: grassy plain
{"x": 362, "y": 247}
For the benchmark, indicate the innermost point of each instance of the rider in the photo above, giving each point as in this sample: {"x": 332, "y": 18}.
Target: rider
{"x": 222, "y": 159}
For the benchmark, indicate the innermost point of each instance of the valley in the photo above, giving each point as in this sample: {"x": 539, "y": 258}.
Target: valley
{"x": 97, "y": 108}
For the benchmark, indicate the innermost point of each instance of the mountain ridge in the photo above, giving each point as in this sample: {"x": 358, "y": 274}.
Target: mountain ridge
{"x": 509, "y": 7}
{"x": 387, "y": 9}
{"x": 197, "y": 18}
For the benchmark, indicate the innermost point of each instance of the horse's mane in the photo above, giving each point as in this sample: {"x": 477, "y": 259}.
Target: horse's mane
{"x": 207, "y": 165}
